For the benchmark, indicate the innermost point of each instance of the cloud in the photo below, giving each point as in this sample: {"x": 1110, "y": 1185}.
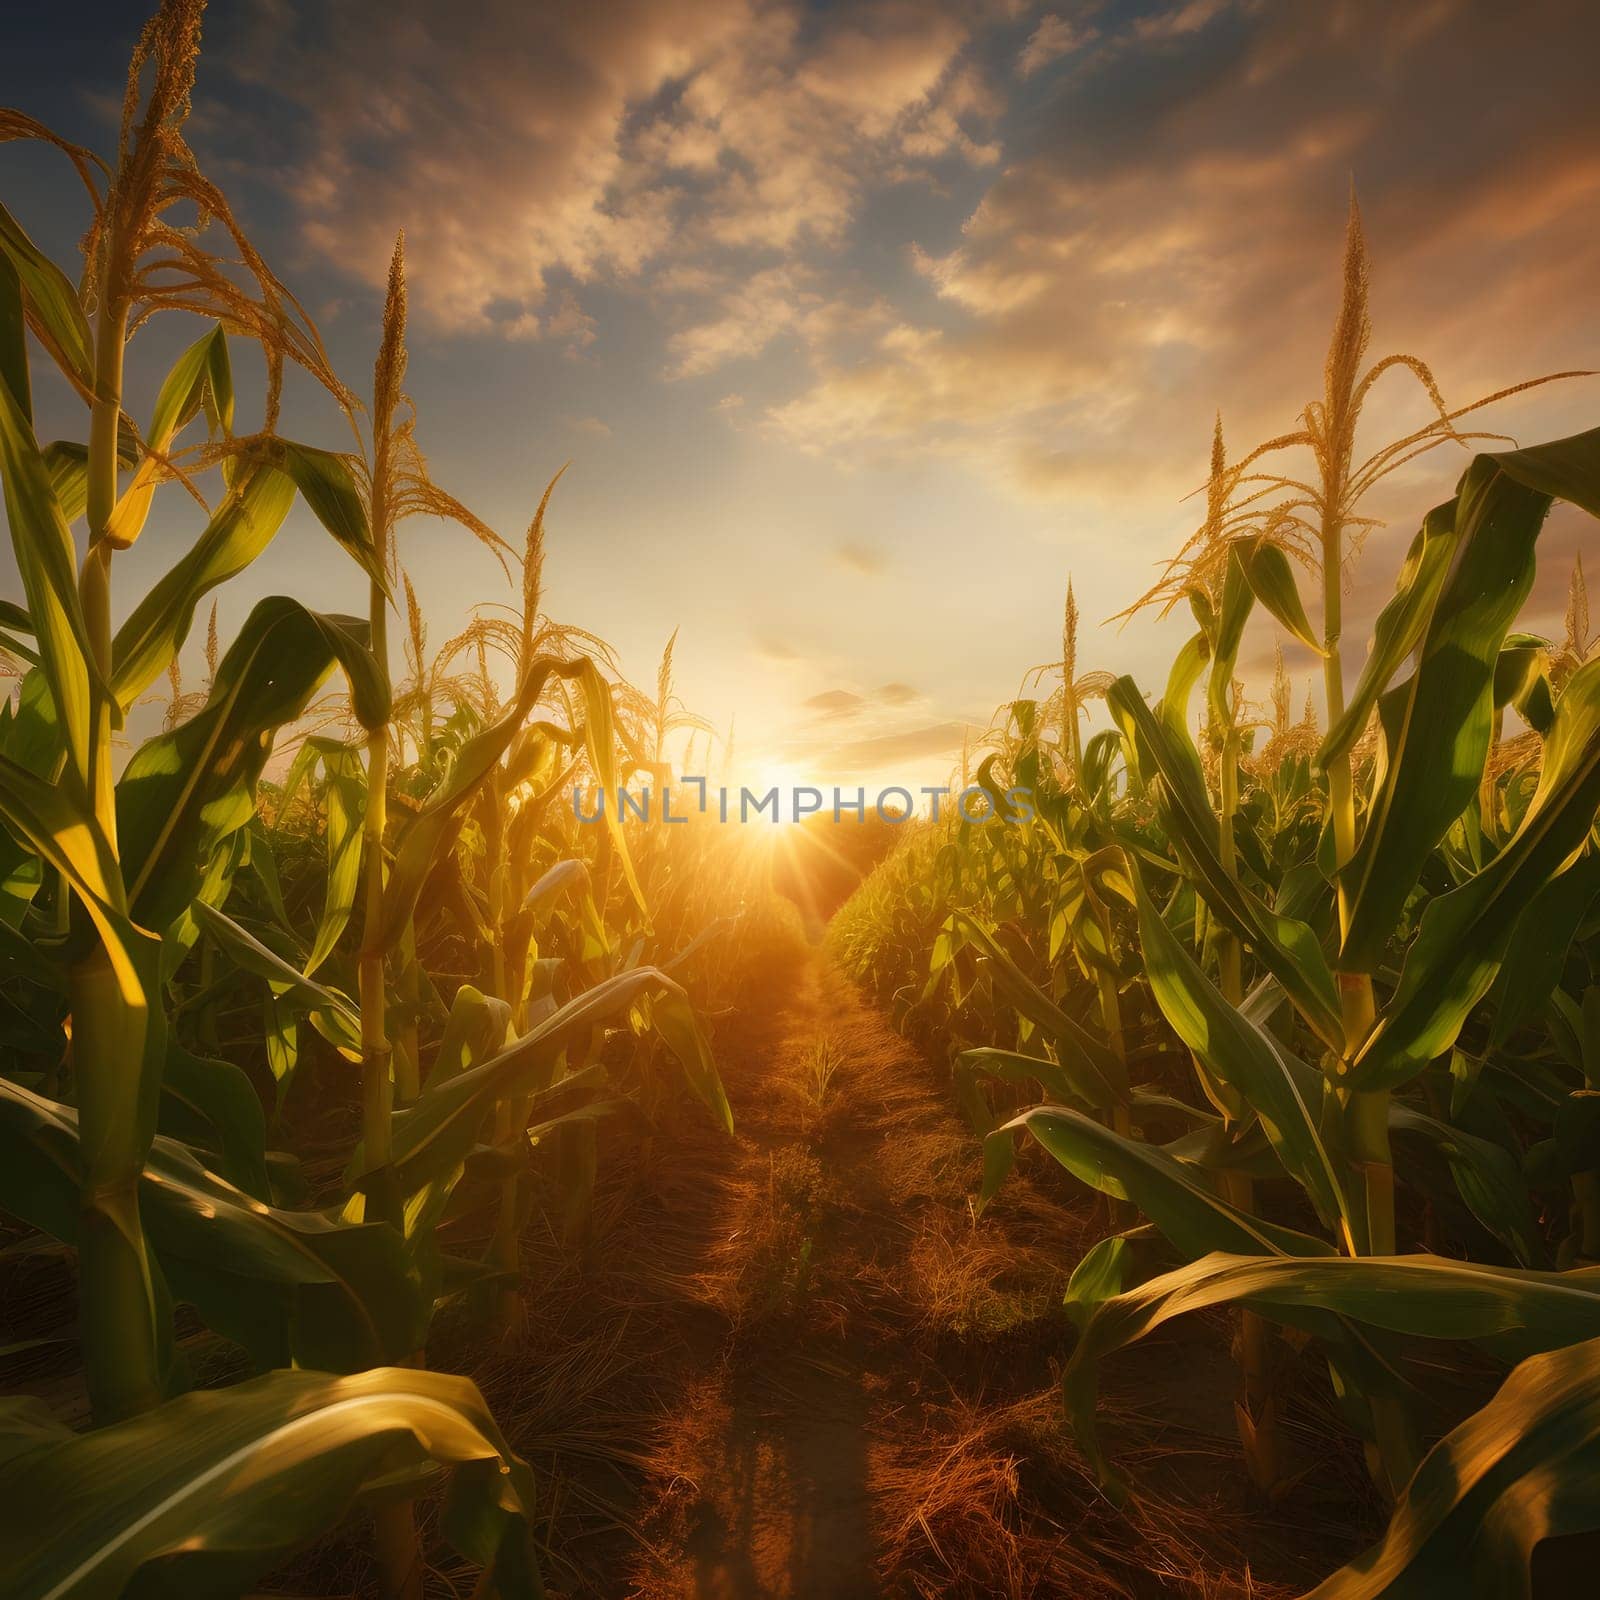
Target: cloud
{"x": 1176, "y": 21}
{"x": 860, "y": 558}
{"x": 748, "y": 316}
{"x": 772, "y": 647}
{"x": 1168, "y": 237}
{"x": 540, "y": 150}
{"x": 1051, "y": 40}
{"x": 593, "y": 426}
{"x": 897, "y": 694}
{"x": 834, "y": 703}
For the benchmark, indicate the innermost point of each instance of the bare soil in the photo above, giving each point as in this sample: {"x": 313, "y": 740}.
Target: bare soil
{"x": 855, "y": 1381}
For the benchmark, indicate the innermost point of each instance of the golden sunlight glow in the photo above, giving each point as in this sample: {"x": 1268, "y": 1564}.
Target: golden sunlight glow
{"x": 760, "y": 782}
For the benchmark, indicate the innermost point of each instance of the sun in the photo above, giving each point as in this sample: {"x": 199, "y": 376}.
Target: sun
{"x": 779, "y": 775}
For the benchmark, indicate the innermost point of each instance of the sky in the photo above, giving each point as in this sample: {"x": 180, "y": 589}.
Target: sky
{"x": 864, "y": 326}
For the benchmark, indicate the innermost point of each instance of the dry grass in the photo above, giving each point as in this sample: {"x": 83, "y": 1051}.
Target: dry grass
{"x": 994, "y": 1502}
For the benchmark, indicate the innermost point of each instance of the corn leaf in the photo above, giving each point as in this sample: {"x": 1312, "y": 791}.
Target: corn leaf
{"x": 1525, "y": 1467}
{"x": 286, "y": 1285}
{"x": 325, "y": 483}
{"x": 1438, "y": 726}
{"x": 187, "y": 790}
{"x": 1101, "y": 1274}
{"x": 214, "y": 1103}
{"x": 209, "y": 1492}
{"x": 1286, "y": 948}
{"x": 433, "y": 830}
{"x": 1487, "y": 1176}
{"x": 1272, "y": 581}
{"x": 1089, "y": 1058}
{"x": 1173, "y": 1194}
{"x": 344, "y": 797}
{"x": 1399, "y": 626}
{"x": 1517, "y": 1311}
{"x": 243, "y": 526}
{"x": 1464, "y": 934}
{"x": 674, "y": 1019}
{"x": 48, "y": 565}
{"x": 1533, "y": 961}
{"x": 434, "y": 1135}
{"x": 14, "y": 340}
{"x": 58, "y": 827}
{"x": 1232, "y": 615}
{"x": 183, "y": 393}
{"x": 334, "y": 1014}
{"x": 1244, "y": 1056}
{"x": 52, "y": 303}
{"x": 1071, "y": 1083}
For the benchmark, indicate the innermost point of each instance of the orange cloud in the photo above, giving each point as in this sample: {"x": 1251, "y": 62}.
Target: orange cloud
{"x": 1170, "y": 241}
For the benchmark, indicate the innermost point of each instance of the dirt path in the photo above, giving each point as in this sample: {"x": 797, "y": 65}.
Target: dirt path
{"x": 770, "y": 1465}
{"x": 856, "y": 1383}
{"x": 837, "y": 1258}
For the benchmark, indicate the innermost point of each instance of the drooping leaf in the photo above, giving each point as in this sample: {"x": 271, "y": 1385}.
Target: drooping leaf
{"x": 58, "y": 826}
{"x": 1525, "y": 1467}
{"x": 1234, "y": 613}
{"x": 1173, "y": 1194}
{"x": 1101, "y": 1274}
{"x": 209, "y": 1492}
{"x": 334, "y": 1014}
{"x": 674, "y": 1019}
{"x": 1517, "y": 1311}
{"x": 1070, "y": 1083}
{"x": 286, "y": 1285}
{"x": 1272, "y": 581}
{"x": 325, "y": 483}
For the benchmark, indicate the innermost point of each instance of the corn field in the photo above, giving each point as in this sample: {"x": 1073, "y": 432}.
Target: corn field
{"x": 317, "y": 1002}
{"x": 1306, "y": 1005}
{"x": 166, "y": 921}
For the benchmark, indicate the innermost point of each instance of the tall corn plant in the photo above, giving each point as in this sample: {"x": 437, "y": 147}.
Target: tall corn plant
{"x": 1436, "y": 727}
{"x": 396, "y": 486}
{"x": 1237, "y": 556}
{"x": 1443, "y": 665}
{"x": 137, "y": 263}
{"x": 109, "y": 881}
{"x": 1326, "y": 511}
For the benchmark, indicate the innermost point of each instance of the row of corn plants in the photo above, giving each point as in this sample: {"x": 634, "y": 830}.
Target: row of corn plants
{"x": 1313, "y": 1008}
{"x": 403, "y": 903}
